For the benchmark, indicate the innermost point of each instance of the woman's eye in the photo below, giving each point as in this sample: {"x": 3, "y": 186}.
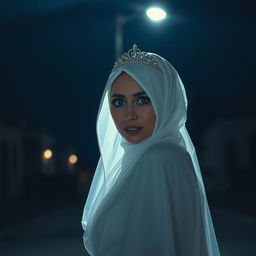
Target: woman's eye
{"x": 117, "y": 102}
{"x": 143, "y": 100}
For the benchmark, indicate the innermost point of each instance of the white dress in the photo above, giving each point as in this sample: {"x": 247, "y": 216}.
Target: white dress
{"x": 156, "y": 211}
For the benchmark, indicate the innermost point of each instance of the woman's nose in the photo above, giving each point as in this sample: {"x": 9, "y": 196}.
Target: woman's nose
{"x": 130, "y": 114}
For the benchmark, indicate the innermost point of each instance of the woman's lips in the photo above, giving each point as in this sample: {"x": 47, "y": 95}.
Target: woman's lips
{"x": 133, "y": 130}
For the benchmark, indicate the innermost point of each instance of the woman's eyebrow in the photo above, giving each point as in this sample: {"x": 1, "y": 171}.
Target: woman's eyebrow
{"x": 117, "y": 95}
{"x": 134, "y": 94}
{"x": 138, "y": 94}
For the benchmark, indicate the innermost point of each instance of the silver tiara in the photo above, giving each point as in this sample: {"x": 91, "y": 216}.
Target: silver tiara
{"x": 136, "y": 56}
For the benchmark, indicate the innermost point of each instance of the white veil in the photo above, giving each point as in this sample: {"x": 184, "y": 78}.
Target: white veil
{"x": 167, "y": 94}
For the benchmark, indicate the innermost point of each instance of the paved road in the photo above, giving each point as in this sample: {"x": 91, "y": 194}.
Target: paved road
{"x": 236, "y": 234}
{"x": 59, "y": 233}
{"x": 54, "y": 234}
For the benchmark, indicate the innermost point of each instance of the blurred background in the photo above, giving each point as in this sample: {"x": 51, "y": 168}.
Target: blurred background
{"x": 55, "y": 58}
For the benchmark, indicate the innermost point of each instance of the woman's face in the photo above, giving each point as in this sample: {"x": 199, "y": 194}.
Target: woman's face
{"x": 131, "y": 109}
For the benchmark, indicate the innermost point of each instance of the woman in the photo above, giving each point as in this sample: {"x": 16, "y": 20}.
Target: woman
{"x": 147, "y": 197}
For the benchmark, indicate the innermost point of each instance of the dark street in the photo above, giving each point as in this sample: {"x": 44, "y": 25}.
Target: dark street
{"x": 60, "y": 233}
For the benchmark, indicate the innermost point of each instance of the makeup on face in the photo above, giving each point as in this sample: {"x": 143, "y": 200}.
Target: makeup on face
{"x": 131, "y": 109}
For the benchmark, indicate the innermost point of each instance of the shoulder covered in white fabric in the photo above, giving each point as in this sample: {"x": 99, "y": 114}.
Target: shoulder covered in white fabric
{"x": 168, "y": 155}
{"x": 166, "y": 149}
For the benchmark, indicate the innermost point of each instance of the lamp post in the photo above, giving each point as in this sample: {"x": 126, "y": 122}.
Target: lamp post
{"x": 154, "y": 13}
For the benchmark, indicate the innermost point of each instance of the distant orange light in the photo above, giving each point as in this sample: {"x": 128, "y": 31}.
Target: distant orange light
{"x": 47, "y": 154}
{"x": 72, "y": 159}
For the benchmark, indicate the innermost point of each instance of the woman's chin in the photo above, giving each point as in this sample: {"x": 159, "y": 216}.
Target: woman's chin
{"x": 135, "y": 139}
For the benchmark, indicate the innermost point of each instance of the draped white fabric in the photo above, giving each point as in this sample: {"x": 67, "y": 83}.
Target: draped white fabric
{"x": 148, "y": 198}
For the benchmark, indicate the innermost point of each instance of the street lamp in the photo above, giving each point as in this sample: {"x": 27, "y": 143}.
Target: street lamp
{"x": 72, "y": 159}
{"x": 154, "y": 13}
{"x": 47, "y": 154}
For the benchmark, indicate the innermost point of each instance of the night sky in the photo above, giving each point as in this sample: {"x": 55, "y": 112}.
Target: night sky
{"x": 56, "y": 55}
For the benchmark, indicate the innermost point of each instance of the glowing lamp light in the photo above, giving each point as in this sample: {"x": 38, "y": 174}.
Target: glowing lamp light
{"x": 47, "y": 154}
{"x": 156, "y": 13}
{"x": 72, "y": 159}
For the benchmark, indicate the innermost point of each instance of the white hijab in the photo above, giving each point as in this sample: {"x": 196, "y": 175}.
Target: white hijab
{"x": 168, "y": 96}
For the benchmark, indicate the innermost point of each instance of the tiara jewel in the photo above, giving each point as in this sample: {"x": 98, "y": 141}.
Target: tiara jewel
{"x": 136, "y": 56}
